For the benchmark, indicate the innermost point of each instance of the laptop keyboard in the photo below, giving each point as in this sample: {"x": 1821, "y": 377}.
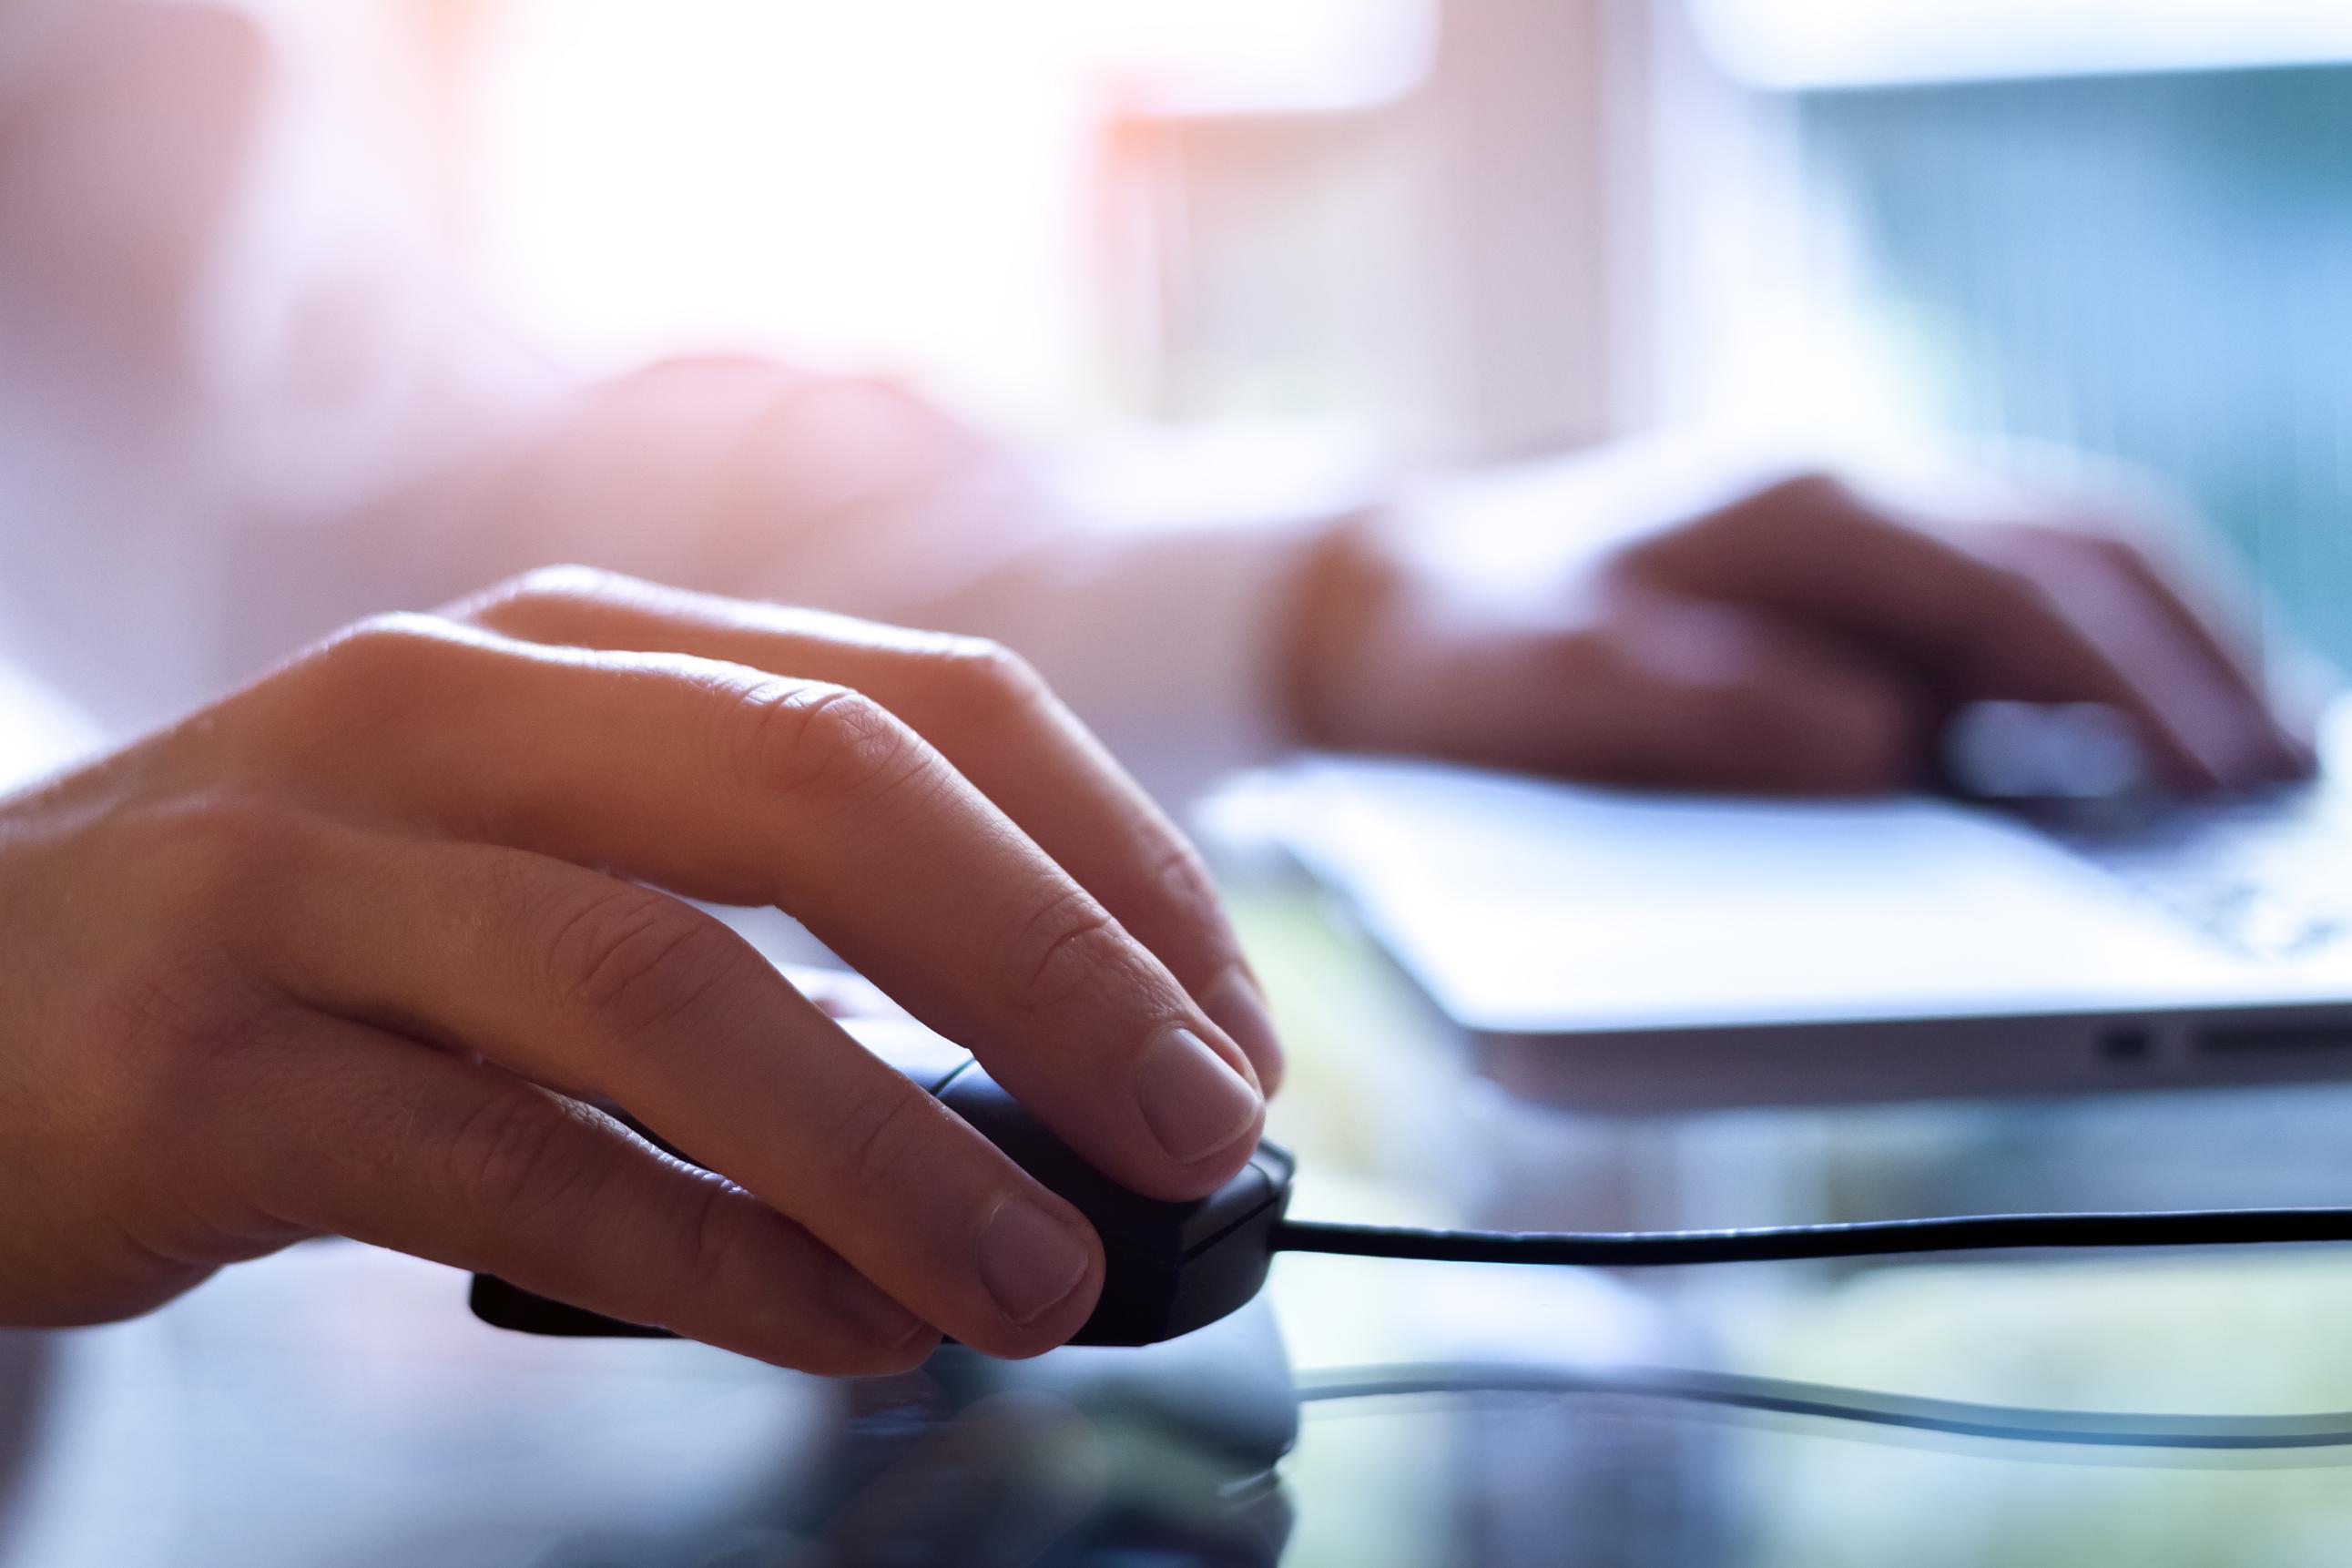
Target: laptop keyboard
{"x": 2268, "y": 877}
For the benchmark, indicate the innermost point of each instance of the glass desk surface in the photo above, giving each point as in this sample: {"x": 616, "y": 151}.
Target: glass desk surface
{"x": 336, "y": 1405}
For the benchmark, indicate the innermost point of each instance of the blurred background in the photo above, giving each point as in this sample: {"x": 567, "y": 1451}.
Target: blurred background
{"x": 1387, "y": 236}
{"x": 1397, "y": 232}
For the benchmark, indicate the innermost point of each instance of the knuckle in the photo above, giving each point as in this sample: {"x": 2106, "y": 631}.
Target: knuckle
{"x": 565, "y": 580}
{"x": 881, "y": 1137}
{"x": 1182, "y": 879}
{"x": 2028, "y": 587}
{"x": 1797, "y": 498}
{"x": 2033, "y": 540}
{"x": 2115, "y": 552}
{"x": 514, "y": 1156}
{"x": 375, "y": 658}
{"x": 816, "y": 741}
{"x": 639, "y": 961}
{"x": 984, "y": 680}
{"x": 714, "y": 1240}
{"x": 1806, "y": 492}
{"x": 545, "y": 588}
{"x": 1784, "y": 509}
{"x": 1065, "y": 947}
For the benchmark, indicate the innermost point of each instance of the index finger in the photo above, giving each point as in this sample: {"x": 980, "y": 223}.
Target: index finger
{"x": 993, "y": 719}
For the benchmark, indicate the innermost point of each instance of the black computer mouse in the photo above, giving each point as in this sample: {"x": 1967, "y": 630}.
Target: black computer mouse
{"x": 1169, "y": 1268}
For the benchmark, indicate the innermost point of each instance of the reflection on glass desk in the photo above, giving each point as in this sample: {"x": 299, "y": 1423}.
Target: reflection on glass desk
{"x": 338, "y": 1404}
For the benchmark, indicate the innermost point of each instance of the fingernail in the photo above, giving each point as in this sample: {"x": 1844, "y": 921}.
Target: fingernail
{"x": 1193, "y": 1102}
{"x": 865, "y": 1303}
{"x": 1029, "y": 1260}
{"x": 1236, "y": 1003}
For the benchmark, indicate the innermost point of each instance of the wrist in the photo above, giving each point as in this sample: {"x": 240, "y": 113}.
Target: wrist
{"x": 1347, "y": 585}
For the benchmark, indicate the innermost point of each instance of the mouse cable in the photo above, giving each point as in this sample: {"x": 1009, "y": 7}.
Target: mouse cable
{"x": 1777, "y": 1397}
{"x": 1781, "y": 1244}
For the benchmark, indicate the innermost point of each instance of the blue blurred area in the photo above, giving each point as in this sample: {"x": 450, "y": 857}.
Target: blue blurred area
{"x": 2156, "y": 268}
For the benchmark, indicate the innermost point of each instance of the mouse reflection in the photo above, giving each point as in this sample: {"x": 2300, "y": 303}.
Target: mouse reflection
{"x": 1084, "y": 1457}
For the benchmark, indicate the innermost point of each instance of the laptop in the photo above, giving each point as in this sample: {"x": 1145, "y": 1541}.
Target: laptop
{"x": 1620, "y": 952}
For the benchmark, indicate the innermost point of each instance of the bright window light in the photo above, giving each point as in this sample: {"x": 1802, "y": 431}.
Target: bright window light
{"x": 905, "y": 184}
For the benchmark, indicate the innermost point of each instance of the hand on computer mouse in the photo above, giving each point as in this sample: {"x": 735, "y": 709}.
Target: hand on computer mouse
{"x": 1802, "y": 637}
{"x": 347, "y": 953}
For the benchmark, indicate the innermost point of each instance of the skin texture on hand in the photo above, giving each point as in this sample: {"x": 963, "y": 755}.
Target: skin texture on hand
{"x": 1802, "y": 637}
{"x": 352, "y": 952}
